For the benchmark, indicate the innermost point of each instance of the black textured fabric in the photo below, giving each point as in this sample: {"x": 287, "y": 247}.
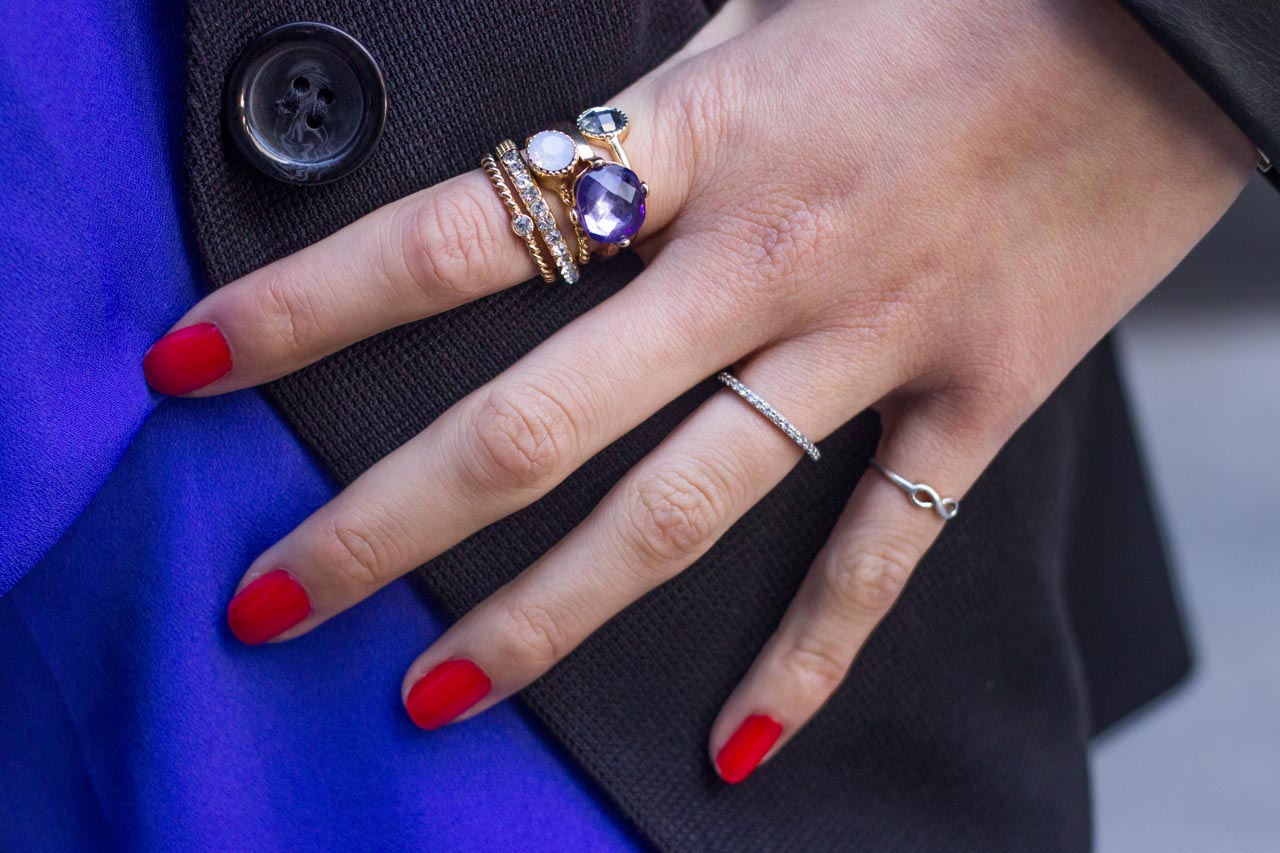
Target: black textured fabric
{"x": 1232, "y": 49}
{"x": 1041, "y": 616}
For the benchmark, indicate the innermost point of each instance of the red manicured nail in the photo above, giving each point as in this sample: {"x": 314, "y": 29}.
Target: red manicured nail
{"x": 187, "y": 359}
{"x": 268, "y": 607}
{"x": 745, "y": 747}
{"x": 445, "y": 692}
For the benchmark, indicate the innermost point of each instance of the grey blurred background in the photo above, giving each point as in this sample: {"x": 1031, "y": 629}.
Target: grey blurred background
{"x": 1201, "y": 770}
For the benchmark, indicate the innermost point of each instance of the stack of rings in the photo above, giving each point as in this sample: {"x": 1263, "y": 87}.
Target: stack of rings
{"x": 605, "y": 200}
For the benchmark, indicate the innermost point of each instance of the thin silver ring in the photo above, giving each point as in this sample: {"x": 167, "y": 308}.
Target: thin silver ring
{"x": 921, "y": 494}
{"x": 757, "y": 402}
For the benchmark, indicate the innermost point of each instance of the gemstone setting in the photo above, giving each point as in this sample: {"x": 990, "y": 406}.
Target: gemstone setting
{"x": 552, "y": 153}
{"x": 602, "y": 123}
{"x": 522, "y": 225}
{"x": 610, "y": 202}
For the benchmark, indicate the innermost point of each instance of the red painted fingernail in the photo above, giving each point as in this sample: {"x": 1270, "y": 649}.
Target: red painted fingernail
{"x": 445, "y": 692}
{"x": 745, "y": 747}
{"x": 187, "y": 359}
{"x": 267, "y": 608}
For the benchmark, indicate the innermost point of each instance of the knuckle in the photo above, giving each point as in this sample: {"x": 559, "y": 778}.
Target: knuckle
{"x": 997, "y": 382}
{"x": 871, "y": 581}
{"x": 816, "y": 667}
{"x": 536, "y": 637}
{"x": 358, "y": 555}
{"x": 698, "y": 109}
{"x": 289, "y": 315}
{"x": 448, "y": 236}
{"x": 673, "y": 515}
{"x": 1002, "y": 363}
{"x": 524, "y": 438}
{"x": 773, "y": 245}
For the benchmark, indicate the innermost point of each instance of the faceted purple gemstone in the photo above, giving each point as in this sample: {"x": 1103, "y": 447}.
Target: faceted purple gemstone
{"x": 610, "y": 203}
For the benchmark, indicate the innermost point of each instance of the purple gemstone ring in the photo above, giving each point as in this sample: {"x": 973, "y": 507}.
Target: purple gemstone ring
{"x": 609, "y": 198}
{"x": 609, "y": 203}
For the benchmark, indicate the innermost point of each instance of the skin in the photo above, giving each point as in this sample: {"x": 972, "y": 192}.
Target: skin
{"x": 930, "y": 209}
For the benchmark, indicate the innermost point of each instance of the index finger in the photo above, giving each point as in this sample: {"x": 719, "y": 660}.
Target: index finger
{"x": 418, "y": 256}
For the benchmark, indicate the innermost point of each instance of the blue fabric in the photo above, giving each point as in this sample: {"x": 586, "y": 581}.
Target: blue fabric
{"x": 129, "y": 717}
{"x": 92, "y": 262}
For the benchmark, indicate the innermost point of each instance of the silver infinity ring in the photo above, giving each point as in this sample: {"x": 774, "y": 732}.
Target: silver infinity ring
{"x": 921, "y": 494}
{"x": 775, "y": 417}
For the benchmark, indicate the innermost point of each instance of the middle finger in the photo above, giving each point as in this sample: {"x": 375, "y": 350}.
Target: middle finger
{"x": 503, "y": 446}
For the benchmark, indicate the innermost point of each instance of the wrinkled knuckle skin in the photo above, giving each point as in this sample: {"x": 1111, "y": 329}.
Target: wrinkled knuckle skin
{"x": 774, "y": 244}
{"x": 287, "y": 312}
{"x": 536, "y": 639}
{"x": 999, "y": 381}
{"x": 358, "y": 555}
{"x": 524, "y": 439}
{"x": 698, "y": 107}
{"x": 816, "y": 667}
{"x": 870, "y": 582}
{"x": 674, "y": 516}
{"x": 449, "y": 235}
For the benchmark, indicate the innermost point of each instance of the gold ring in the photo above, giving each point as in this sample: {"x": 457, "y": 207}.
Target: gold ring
{"x": 607, "y": 125}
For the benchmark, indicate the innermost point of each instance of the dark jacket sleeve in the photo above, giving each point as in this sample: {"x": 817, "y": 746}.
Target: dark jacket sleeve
{"x": 1232, "y": 49}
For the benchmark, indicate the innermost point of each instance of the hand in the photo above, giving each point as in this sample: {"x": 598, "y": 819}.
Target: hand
{"x": 930, "y": 209}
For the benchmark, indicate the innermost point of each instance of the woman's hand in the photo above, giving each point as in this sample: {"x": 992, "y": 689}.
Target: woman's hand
{"x": 930, "y": 209}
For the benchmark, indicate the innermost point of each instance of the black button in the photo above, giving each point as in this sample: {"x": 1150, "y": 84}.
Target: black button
{"x": 306, "y": 103}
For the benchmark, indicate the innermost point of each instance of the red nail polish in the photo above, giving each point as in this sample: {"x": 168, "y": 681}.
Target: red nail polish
{"x": 745, "y": 747}
{"x": 445, "y": 692}
{"x": 268, "y": 607}
{"x": 187, "y": 359}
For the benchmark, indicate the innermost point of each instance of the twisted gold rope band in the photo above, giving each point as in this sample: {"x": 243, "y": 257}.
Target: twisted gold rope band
{"x": 521, "y": 222}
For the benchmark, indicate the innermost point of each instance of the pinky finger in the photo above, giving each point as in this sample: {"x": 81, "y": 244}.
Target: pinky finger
{"x": 874, "y": 548}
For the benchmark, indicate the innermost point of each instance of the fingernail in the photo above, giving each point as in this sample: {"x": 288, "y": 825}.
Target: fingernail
{"x": 267, "y": 608}
{"x": 187, "y": 359}
{"x": 445, "y": 692}
{"x": 742, "y": 752}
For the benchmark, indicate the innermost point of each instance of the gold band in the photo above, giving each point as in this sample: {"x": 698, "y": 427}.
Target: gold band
{"x": 611, "y": 136}
{"x": 565, "y": 191}
{"x": 521, "y": 223}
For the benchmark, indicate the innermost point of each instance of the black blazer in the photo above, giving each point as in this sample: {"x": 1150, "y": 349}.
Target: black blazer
{"x": 1042, "y": 618}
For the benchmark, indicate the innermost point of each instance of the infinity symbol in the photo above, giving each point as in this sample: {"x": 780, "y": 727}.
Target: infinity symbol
{"x": 946, "y": 508}
{"x": 921, "y": 494}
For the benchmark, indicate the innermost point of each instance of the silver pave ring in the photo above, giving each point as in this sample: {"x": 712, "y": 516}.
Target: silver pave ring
{"x": 921, "y": 494}
{"x": 774, "y": 416}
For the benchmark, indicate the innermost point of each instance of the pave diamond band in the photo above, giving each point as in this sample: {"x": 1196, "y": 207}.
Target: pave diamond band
{"x": 539, "y": 210}
{"x": 775, "y": 417}
{"x": 521, "y": 224}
